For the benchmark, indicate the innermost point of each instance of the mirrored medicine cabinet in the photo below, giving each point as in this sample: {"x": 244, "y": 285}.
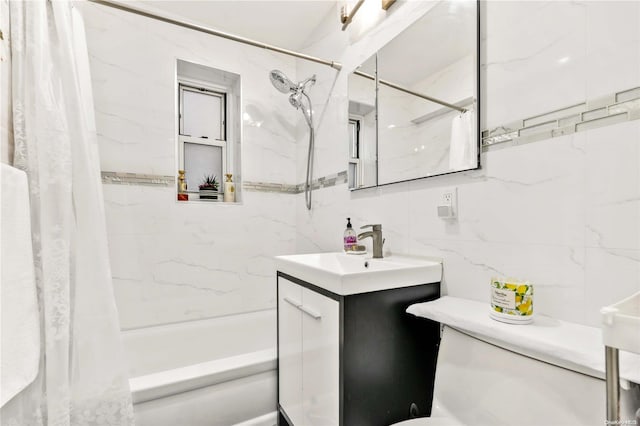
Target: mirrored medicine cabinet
{"x": 413, "y": 105}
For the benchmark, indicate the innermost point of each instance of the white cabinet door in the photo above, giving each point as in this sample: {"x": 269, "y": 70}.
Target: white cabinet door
{"x": 320, "y": 359}
{"x": 290, "y": 349}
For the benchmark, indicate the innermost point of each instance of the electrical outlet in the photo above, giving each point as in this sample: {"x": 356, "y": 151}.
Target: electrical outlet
{"x": 447, "y": 197}
{"x": 447, "y": 208}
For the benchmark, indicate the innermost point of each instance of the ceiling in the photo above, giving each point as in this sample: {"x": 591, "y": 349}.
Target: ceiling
{"x": 286, "y": 24}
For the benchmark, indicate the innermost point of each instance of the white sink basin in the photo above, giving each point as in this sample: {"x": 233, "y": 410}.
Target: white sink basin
{"x": 346, "y": 274}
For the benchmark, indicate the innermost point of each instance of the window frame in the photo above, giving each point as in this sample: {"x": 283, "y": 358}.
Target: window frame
{"x": 359, "y": 175}
{"x": 213, "y": 90}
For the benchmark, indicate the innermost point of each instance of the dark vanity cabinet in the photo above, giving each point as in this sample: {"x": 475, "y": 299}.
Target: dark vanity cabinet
{"x": 353, "y": 360}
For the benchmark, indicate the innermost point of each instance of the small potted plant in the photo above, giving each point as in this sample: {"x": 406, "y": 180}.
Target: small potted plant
{"x": 209, "y": 188}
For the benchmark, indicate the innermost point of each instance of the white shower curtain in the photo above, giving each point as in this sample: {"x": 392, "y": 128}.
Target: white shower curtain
{"x": 82, "y": 378}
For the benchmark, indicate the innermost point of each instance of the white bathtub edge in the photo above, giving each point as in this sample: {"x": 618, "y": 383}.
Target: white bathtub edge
{"x": 269, "y": 419}
{"x": 178, "y": 380}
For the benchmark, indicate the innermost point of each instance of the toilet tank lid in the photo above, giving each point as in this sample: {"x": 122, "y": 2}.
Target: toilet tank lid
{"x": 569, "y": 345}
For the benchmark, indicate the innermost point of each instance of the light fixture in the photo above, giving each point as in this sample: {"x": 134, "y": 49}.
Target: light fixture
{"x": 386, "y": 4}
{"x": 345, "y": 17}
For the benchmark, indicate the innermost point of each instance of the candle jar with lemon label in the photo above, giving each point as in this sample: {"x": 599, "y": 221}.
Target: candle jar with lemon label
{"x": 511, "y": 300}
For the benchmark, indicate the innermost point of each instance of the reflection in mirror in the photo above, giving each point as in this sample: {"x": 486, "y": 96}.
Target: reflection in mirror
{"x": 436, "y": 57}
{"x": 362, "y": 128}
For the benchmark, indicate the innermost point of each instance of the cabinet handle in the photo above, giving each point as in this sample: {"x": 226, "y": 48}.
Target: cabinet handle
{"x": 310, "y": 312}
{"x": 313, "y": 314}
{"x": 292, "y": 302}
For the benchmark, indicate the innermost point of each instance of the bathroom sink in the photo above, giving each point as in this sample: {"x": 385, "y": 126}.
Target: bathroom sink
{"x": 346, "y": 274}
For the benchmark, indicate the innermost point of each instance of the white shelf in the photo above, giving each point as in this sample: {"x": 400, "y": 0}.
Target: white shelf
{"x": 573, "y": 346}
{"x": 621, "y": 324}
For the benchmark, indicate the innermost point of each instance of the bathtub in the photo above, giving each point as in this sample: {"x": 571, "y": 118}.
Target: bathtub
{"x": 214, "y": 372}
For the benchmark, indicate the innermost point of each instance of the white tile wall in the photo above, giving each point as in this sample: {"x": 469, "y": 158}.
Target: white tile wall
{"x": 179, "y": 261}
{"x": 176, "y": 261}
{"x": 535, "y": 58}
{"x": 564, "y": 212}
{"x": 612, "y": 40}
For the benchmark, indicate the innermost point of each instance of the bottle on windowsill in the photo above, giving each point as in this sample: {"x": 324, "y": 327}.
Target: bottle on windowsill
{"x": 229, "y": 189}
{"x": 182, "y": 187}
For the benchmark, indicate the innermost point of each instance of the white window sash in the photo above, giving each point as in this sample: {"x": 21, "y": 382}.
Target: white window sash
{"x": 359, "y": 177}
{"x": 190, "y": 87}
{"x": 210, "y": 142}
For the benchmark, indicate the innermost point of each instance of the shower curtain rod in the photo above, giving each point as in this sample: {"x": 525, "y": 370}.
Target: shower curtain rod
{"x": 409, "y": 91}
{"x": 210, "y": 31}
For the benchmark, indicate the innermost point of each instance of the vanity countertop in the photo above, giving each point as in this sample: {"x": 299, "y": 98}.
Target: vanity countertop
{"x": 569, "y": 345}
{"x": 345, "y": 274}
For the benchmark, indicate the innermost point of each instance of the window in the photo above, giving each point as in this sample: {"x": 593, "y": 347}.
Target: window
{"x": 355, "y": 169}
{"x": 202, "y": 138}
{"x": 208, "y": 129}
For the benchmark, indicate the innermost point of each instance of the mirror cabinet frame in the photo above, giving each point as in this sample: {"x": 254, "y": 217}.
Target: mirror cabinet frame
{"x": 477, "y": 107}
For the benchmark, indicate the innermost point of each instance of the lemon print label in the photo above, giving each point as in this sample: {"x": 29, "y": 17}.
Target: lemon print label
{"x": 512, "y": 297}
{"x": 505, "y": 299}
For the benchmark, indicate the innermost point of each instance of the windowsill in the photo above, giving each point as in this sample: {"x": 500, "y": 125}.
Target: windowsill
{"x": 219, "y": 201}
{"x": 235, "y": 203}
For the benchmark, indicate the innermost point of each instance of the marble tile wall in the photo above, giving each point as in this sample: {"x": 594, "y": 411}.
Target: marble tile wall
{"x": 175, "y": 261}
{"x": 563, "y": 212}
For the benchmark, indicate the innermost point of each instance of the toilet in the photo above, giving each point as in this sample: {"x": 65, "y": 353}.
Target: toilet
{"x": 480, "y": 383}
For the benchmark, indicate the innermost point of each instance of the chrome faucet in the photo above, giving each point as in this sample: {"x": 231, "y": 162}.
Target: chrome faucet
{"x": 376, "y": 236}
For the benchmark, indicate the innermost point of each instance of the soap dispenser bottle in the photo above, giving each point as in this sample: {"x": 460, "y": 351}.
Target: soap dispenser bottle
{"x": 350, "y": 237}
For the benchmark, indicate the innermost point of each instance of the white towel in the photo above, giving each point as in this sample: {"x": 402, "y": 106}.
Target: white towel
{"x": 19, "y": 304}
{"x": 463, "y": 151}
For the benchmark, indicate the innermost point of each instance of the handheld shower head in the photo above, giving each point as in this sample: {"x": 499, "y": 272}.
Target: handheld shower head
{"x": 281, "y": 82}
{"x": 294, "y": 100}
{"x": 296, "y": 91}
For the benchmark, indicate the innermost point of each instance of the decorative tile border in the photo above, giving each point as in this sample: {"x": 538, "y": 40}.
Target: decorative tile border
{"x": 270, "y": 187}
{"x": 326, "y": 181}
{"x": 322, "y": 182}
{"x": 604, "y": 111}
{"x": 119, "y": 178}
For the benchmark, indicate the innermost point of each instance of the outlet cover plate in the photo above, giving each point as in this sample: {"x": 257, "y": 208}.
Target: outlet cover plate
{"x": 449, "y": 199}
